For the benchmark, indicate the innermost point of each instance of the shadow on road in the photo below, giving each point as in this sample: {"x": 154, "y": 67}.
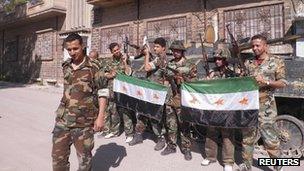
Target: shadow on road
{"x": 107, "y": 156}
{"x": 4, "y": 85}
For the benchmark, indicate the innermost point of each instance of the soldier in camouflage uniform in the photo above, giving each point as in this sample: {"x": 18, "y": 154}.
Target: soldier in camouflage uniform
{"x": 94, "y": 54}
{"x": 78, "y": 115}
{"x": 182, "y": 73}
{"x": 118, "y": 63}
{"x": 150, "y": 67}
{"x": 269, "y": 72}
{"x": 222, "y": 70}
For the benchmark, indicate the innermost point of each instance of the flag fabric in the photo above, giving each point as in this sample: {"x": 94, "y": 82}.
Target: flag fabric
{"x": 229, "y": 103}
{"x": 142, "y": 96}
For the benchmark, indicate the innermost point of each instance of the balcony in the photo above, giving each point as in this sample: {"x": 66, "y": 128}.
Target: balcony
{"x": 108, "y": 3}
{"x": 34, "y": 10}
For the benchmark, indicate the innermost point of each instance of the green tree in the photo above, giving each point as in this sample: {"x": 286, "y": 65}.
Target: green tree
{"x": 9, "y": 5}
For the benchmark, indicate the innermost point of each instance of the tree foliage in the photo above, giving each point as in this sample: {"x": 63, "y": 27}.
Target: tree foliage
{"x": 9, "y": 5}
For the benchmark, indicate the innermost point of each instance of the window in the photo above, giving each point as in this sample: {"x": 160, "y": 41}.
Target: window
{"x": 44, "y": 45}
{"x": 114, "y": 34}
{"x": 97, "y": 15}
{"x": 247, "y": 22}
{"x": 11, "y": 50}
{"x": 170, "y": 29}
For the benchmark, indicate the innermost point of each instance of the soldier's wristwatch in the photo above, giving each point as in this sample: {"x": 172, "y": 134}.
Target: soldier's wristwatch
{"x": 267, "y": 83}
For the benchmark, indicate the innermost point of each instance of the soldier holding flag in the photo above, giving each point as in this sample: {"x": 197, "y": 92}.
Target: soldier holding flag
{"x": 222, "y": 70}
{"x": 150, "y": 66}
{"x": 180, "y": 70}
{"x": 269, "y": 72}
{"x": 117, "y": 63}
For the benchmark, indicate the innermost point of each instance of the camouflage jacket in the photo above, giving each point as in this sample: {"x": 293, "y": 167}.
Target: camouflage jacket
{"x": 162, "y": 75}
{"x": 108, "y": 65}
{"x": 82, "y": 87}
{"x": 227, "y": 73}
{"x": 272, "y": 68}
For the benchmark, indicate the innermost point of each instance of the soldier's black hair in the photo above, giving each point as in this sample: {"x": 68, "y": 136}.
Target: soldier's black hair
{"x": 112, "y": 45}
{"x": 259, "y": 36}
{"x": 73, "y": 36}
{"x": 161, "y": 41}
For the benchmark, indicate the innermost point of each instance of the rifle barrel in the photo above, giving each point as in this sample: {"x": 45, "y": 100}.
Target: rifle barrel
{"x": 272, "y": 41}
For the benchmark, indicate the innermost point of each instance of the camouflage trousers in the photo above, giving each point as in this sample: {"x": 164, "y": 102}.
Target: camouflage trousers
{"x": 157, "y": 127}
{"x": 212, "y": 141}
{"x": 63, "y": 138}
{"x": 114, "y": 116}
{"x": 176, "y": 127}
{"x": 269, "y": 136}
{"x": 267, "y": 131}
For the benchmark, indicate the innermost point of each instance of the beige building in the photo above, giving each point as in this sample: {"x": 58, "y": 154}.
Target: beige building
{"x": 31, "y": 36}
{"x": 184, "y": 20}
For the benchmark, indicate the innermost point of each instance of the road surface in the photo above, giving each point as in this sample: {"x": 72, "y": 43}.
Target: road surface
{"x": 26, "y": 122}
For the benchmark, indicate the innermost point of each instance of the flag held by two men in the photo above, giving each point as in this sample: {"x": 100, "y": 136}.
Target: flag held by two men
{"x": 228, "y": 103}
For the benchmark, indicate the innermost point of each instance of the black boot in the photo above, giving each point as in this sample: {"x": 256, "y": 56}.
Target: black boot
{"x": 187, "y": 155}
{"x": 161, "y": 142}
{"x": 137, "y": 139}
{"x": 168, "y": 150}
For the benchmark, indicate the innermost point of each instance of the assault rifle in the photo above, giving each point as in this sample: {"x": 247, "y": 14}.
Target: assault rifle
{"x": 205, "y": 57}
{"x": 246, "y": 46}
{"x": 236, "y": 50}
{"x": 145, "y": 45}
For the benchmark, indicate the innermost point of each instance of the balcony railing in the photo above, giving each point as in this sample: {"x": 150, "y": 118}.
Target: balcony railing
{"x": 33, "y": 3}
{"x": 108, "y": 3}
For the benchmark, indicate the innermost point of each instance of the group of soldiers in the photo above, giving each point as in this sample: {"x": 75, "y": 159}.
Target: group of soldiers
{"x": 88, "y": 102}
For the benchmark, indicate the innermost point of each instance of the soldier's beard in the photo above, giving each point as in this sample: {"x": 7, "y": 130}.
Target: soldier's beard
{"x": 117, "y": 56}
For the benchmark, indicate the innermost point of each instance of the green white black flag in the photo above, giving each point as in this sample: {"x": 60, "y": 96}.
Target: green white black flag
{"x": 142, "y": 96}
{"x": 230, "y": 103}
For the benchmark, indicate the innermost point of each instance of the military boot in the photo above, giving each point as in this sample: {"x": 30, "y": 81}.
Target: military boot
{"x": 244, "y": 167}
{"x": 161, "y": 142}
{"x": 168, "y": 150}
{"x": 137, "y": 139}
{"x": 278, "y": 168}
{"x": 187, "y": 155}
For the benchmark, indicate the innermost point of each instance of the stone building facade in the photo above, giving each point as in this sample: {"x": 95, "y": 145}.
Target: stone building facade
{"x": 184, "y": 20}
{"x": 31, "y": 37}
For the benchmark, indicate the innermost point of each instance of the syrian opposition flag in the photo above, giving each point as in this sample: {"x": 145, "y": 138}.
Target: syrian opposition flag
{"x": 142, "y": 96}
{"x": 229, "y": 103}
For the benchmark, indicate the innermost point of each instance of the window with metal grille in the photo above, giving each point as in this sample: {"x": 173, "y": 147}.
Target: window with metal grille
{"x": 11, "y": 50}
{"x": 247, "y": 22}
{"x": 171, "y": 29}
{"x": 97, "y": 15}
{"x": 114, "y": 34}
{"x": 44, "y": 45}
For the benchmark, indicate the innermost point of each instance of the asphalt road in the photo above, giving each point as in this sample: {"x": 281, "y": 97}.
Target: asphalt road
{"x": 26, "y": 122}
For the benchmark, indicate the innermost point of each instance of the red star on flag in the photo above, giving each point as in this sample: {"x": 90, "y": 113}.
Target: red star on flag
{"x": 244, "y": 101}
{"x": 219, "y": 102}
{"x": 139, "y": 93}
{"x": 194, "y": 99}
{"x": 124, "y": 89}
{"x": 155, "y": 96}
